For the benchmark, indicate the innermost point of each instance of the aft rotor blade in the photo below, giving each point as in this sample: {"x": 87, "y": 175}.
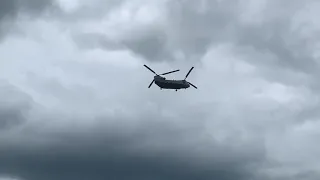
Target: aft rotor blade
{"x": 193, "y": 85}
{"x": 189, "y": 73}
{"x": 150, "y": 69}
{"x": 151, "y": 84}
{"x": 170, "y": 72}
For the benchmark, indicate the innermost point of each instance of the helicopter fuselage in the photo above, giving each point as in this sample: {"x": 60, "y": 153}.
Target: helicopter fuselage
{"x": 164, "y": 83}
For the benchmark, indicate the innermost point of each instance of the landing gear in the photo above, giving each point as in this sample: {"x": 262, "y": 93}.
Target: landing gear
{"x": 176, "y": 89}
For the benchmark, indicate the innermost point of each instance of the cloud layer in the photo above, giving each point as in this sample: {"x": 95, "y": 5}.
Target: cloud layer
{"x": 74, "y": 102}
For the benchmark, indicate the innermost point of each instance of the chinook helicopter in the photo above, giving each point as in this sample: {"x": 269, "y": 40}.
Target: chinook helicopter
{"x": 164, "y": 83}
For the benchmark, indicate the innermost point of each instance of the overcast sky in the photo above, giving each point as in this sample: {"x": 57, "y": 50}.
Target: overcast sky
{"x": 75, "y": 103}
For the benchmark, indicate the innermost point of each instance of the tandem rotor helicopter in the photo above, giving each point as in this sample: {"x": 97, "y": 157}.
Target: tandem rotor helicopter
{"x": 164, "y": 83}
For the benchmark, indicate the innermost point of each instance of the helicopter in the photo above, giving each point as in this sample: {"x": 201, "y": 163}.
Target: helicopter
{"x": 164, "y": 83}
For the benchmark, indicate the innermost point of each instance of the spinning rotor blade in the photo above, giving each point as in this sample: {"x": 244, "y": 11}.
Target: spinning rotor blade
{"x": 151, "y": 84}
{"x": 170, "y": 72}
{"x": 188, "y": 73}
{"x": 150, "y": 69}
{"x": 193, "y": 85}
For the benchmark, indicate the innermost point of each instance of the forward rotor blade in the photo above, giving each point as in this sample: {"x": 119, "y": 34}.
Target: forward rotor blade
{"x": 150, "y": 84}
{"x": 188, "y": 73}
{"x": 170, "y": 72}
{"x": 193, "y": 85}
{"x": 150, "y": 69}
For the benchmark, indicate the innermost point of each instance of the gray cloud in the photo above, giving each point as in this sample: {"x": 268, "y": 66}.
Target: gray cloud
{"x": 193, "y": 27}
{"x": 275, "y": 43}
{"x": 186, "y": 30}
{"x": 97, "y": 119}
{"x": 150, "y": 45}
{"x": 104, "y": 155}
{"x": 14, "y": 105}
{"x": 10, "y": 118}
{"x": 10, "y": 9}
{"x": 154, "y": 148}
{"x": 14, "y": 7}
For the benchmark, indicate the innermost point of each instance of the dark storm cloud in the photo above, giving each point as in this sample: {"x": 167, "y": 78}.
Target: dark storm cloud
{"x": 307, "y": 175}
{"x": 151, "y": 45}
{"x": 287, "y": 48}
{"x": 154, "y": 148}
{"x": 187, "y": 30}
{"x": 193, "y": 27}
{"x": 196, "y": 25}
{"x": 153, "y": 151}
{"x": 10, "y": 118}
{"x": 9, "y": 9}
{"x": 221, "y": 23}
{"x": 14, "y": 105}
{"x": 96, "y": 10}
